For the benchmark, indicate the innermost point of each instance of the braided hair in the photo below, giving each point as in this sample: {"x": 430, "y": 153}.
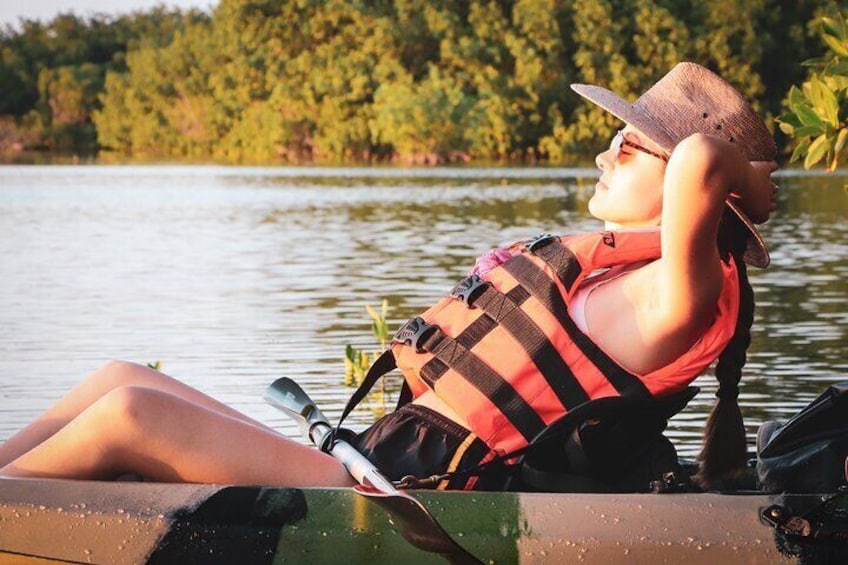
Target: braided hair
{"x": 723, "y": 457}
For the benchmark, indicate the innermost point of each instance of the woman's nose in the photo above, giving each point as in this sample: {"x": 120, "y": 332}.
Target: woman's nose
{"x": 605, "y": 159}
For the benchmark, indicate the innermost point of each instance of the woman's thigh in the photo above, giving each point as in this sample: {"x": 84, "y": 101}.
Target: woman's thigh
{"x": 116, "y": 374}
{"x": 167, "y": 438}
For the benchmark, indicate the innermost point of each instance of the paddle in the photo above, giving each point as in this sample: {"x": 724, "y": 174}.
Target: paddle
{"x": 417, "y": 525}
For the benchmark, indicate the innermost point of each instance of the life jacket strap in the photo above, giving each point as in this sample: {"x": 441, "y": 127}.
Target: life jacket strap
{"x": 550, "y": 249}
{"x": 536, "y": 281}
{"x": 505, "y": 310}
{"x": 453, "y": 354}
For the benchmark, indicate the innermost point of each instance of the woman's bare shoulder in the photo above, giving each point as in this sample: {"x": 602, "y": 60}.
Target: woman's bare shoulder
{"x": 628, "y": 318}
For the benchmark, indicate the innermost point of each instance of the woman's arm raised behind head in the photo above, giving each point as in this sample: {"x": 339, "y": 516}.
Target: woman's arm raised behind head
{"x": 702, "y": 173}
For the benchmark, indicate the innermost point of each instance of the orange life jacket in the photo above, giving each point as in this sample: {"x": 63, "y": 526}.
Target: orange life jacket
{"x": 503, "y": 352}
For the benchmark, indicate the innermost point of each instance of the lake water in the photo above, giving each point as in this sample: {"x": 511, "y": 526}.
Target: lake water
{"x": 231, "y": 277}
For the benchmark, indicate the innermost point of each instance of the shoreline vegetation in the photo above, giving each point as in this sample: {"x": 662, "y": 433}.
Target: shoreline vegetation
{"x": 266, "y": 82}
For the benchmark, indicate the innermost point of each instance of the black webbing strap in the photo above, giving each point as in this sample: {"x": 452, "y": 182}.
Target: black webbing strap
{"x": 433, "y": 369}
{"x": 534, "y": 279}
{"x": 551, "y": 250}
{"x": 505, "y": 310}
{"x": 482, "y": 377}
{"x": 383, "y": 364}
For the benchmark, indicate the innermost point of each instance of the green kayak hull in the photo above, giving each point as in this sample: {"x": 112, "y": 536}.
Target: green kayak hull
{"x": 48, "y": 521}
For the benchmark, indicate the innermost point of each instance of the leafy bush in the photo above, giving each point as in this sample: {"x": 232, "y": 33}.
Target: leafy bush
{"x": 818, "y": 111}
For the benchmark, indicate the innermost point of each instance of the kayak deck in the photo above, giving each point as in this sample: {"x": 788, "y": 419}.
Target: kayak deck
{"x": 95, "y": 522}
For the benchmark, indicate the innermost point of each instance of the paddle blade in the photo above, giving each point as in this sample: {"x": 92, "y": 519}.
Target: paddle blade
{"x": 417, "y": 525}
{"x": 287, "y": 395}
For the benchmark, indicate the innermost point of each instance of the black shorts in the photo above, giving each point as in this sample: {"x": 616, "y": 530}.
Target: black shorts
{"x": 415, "y": 440}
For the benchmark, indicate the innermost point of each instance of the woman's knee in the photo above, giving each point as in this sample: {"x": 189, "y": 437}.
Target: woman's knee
{"x": 117, "y": 426}
{"x": 128, "y": 409}
{"x": 116, "y": 373}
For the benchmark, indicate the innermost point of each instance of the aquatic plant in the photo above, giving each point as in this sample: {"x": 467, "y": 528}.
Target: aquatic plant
{"x": 357, "y": 361}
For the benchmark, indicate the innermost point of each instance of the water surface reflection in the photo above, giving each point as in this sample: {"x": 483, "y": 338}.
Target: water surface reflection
{"x": 234, "y": 276}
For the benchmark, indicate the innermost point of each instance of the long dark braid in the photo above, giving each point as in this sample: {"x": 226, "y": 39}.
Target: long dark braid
{"x": 724, "y": 454}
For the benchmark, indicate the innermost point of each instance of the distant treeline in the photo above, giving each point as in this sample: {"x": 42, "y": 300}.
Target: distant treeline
{"x": 401, "y": 80}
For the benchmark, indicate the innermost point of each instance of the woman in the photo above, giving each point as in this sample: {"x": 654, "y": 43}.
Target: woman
{"x": 692, "y": 149}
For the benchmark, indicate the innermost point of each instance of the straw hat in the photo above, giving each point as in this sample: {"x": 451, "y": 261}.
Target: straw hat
{"x": 692, "y": 99}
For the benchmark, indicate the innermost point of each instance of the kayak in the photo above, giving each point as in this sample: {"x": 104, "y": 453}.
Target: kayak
{"x": 63, "y": 521}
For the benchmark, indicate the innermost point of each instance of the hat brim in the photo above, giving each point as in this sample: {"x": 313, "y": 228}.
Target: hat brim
{"x": 626, "y": 112}
{"x": 756, "y": 253}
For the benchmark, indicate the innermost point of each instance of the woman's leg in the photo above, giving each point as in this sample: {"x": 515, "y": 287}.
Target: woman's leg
{"x": 112, "y": 375}
{"x": 166, "y": 438}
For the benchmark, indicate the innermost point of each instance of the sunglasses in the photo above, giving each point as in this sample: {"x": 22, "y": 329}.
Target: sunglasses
{"x": 619, "y": 141}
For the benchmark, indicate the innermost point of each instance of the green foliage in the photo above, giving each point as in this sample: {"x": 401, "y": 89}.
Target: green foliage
{"x": 400, "y": 80}
{"x": 155, "y": 365}
{"x": 52, "y": 74}
{"x": 817, "y": 116}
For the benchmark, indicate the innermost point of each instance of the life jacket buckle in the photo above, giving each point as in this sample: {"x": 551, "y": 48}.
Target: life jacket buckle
{"x": 469, "y": 289}
{"x": 539, "y": 242}
{"x": 414, "y": 333}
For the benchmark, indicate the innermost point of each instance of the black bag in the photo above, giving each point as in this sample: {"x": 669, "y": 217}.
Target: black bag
{"x": 809, "y": 453}
{"x": 611, "y": 444}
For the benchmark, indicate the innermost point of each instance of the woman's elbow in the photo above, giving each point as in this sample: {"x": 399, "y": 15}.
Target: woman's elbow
{"x": 707, "y": 161}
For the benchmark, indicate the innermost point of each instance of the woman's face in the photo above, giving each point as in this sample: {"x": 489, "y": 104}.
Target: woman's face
{"x": 629, "y": 192}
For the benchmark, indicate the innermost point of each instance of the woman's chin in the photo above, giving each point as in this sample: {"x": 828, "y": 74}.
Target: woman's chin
{"x": 596, "y": 208}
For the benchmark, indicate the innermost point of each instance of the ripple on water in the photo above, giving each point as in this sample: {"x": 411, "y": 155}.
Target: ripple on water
{"x": 232, "y": 277}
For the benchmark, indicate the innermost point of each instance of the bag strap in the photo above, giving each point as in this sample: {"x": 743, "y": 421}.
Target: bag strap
{"x": 382, "y": 366}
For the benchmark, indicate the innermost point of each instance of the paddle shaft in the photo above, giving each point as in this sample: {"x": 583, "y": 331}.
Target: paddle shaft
{"x": 417, "y": 525}
{"x": 356, "y": 464}
{"x": 287, "y": 395}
